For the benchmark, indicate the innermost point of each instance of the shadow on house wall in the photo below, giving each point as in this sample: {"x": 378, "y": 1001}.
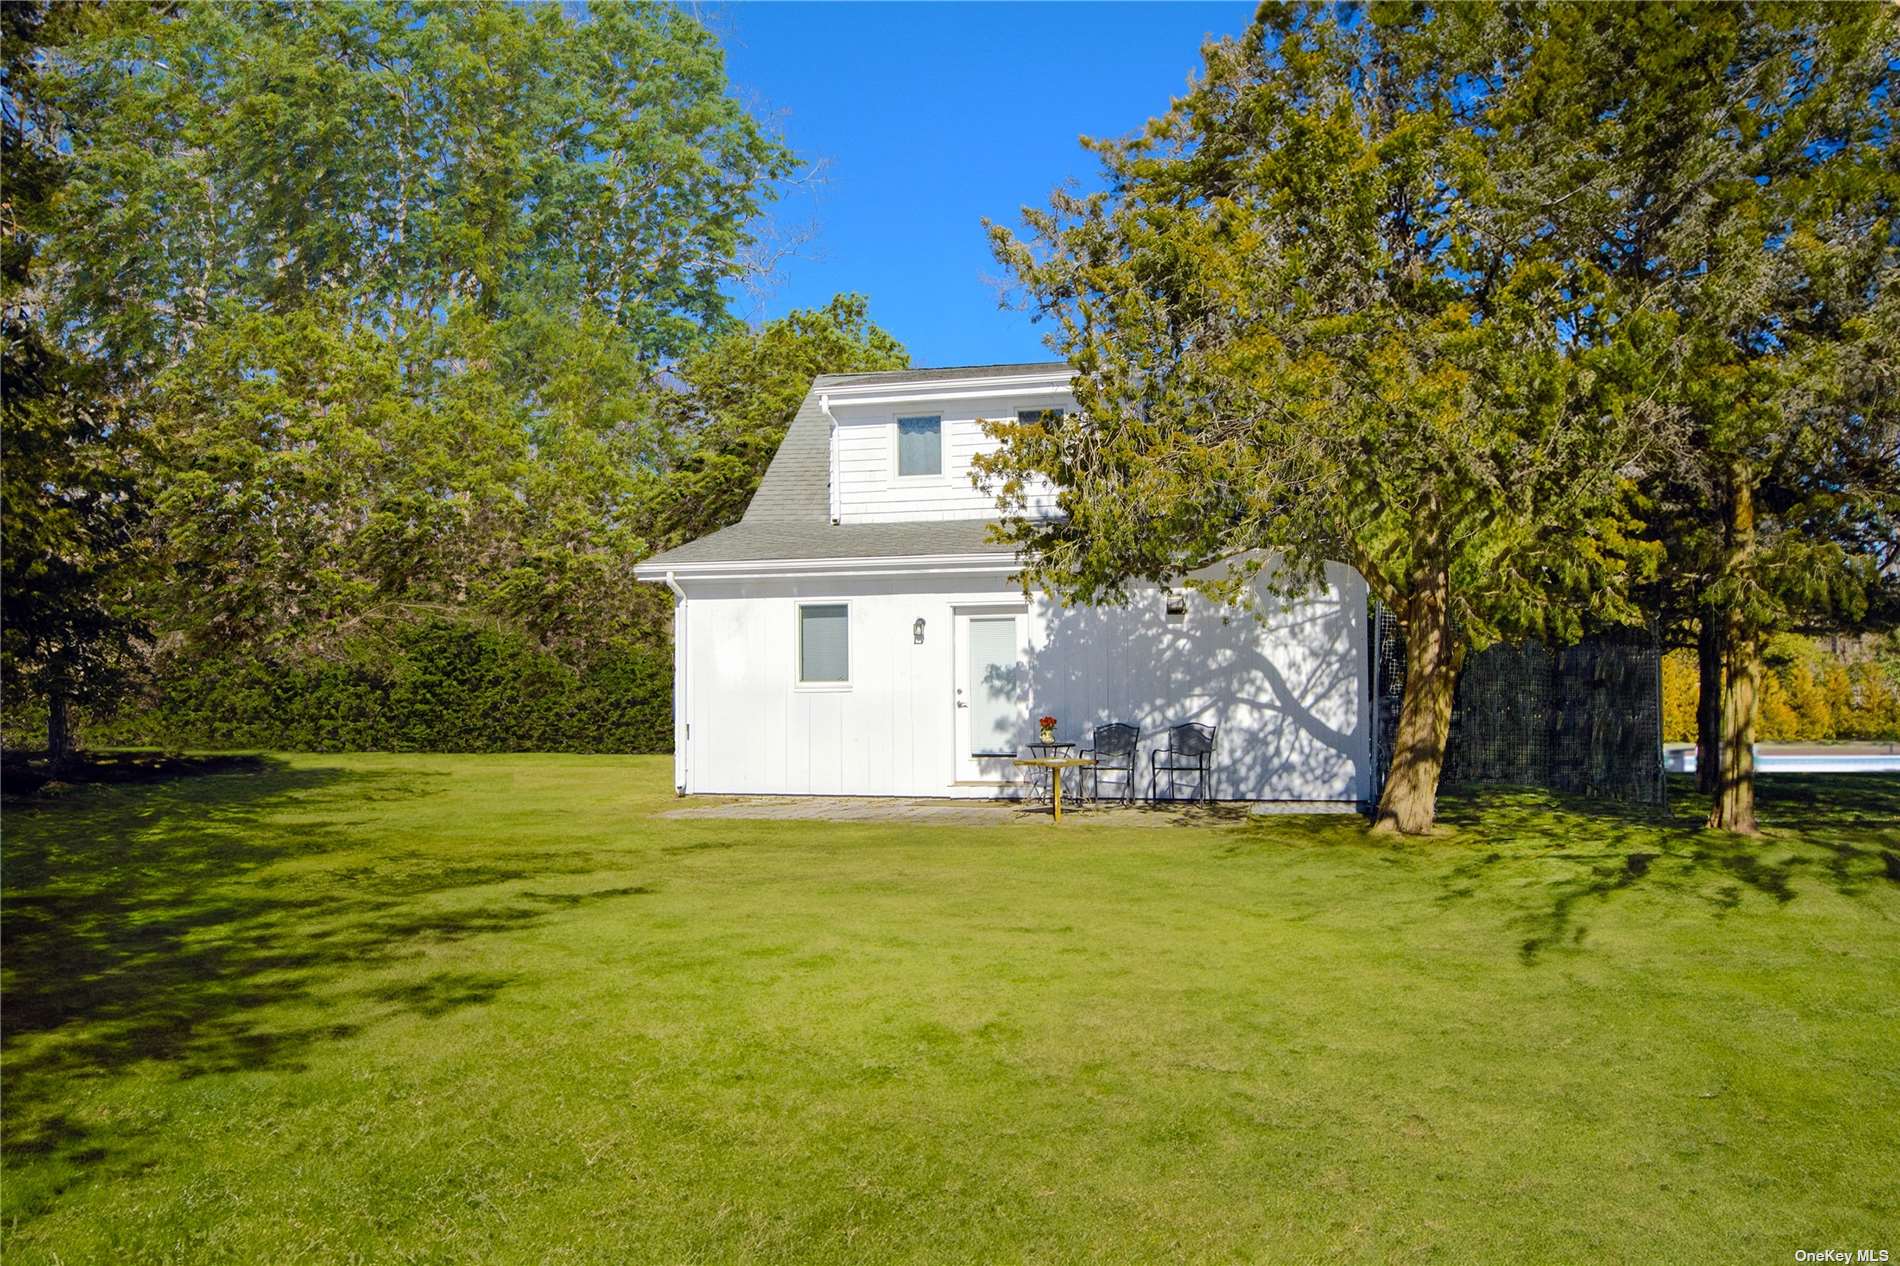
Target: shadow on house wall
{"x": 1287, "y": 692}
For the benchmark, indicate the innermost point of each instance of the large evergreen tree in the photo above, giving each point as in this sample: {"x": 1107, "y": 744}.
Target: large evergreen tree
{"x": 1732, "y": 168}
{"x": 68, "y": 507}
{"x": 1308, "y": 324}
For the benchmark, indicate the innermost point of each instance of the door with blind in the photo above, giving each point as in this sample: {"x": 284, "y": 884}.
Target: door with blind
{"x": 992, "y": 692}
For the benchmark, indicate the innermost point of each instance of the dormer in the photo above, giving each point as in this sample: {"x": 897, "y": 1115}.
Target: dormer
{"x": 902, "y": 442}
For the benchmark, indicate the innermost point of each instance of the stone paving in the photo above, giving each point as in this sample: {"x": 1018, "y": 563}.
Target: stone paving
{"x": 979, "y": 812}
{"x": 864, "y": 809}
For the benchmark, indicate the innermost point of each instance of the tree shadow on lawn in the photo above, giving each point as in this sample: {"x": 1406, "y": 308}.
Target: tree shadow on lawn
{"x": 1838, "y": 829}
{"x": 145, "y": 926}
{"x": 1841, "y": 830}
{"x": 25, "y": 776}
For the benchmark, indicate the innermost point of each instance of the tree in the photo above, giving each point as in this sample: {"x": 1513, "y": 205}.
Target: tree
{"x": 1732, "y": 167}
{"x": 66, "y": 492}
{"x": 394, "y": 289}
{"x": 1308, "y": 326}
{"x": 407, "y": 161}
{"x": 316, "y": 483}
{"x": 740, "y": 393}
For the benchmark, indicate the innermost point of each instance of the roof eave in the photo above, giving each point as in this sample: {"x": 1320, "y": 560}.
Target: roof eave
{"x": 753, "y": 568}
{"x": 943, "y": 389}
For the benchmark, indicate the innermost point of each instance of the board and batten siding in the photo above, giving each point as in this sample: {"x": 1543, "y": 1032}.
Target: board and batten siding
{"x": 1290, "y": 694}
{"x": 871, "y": 491}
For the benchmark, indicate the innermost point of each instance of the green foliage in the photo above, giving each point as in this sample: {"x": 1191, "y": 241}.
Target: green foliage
{"x": 395, "y": 283}
{"x": 67, "y": 494}
{"x": 411, "y": 159}
{"x": 66, "y": 497}
{"x": 1731, "y": 167}
{"x": 314, "y": 478}
{"x": 388, "y": 295}
{"x": 1305, "y": 325}
{"x": 432, "y": 686}
{"x": 418, "y": 496}
{"x": 741, "y": 392}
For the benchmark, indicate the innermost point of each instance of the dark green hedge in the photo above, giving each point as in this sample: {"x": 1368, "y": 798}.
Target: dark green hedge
{"x": 436, "y": 687}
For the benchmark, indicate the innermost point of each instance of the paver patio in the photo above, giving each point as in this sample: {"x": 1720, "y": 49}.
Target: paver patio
{"x": 979, "y": 812}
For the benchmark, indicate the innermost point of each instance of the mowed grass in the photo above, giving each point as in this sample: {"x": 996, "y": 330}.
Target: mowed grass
{"x": 422, "y": 1009}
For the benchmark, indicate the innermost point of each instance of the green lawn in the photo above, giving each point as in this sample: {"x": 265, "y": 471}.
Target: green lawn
{"x": 417, "y": 1008}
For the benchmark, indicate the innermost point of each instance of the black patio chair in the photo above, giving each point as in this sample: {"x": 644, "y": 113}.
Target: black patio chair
{"x": 1114, "y": 753}
{"x": 1190, "y": 750}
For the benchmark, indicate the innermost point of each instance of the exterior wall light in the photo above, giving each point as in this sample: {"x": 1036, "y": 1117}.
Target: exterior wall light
{"x": 1176, "y": 604}
{"x": 917, "y": 631}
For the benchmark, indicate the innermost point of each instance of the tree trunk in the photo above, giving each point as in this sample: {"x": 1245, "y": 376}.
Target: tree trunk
{"x": 59, "y": 735}
{"x": 1734, "y": 807}
{"x": 1708, "y": 705}
{"x": 1432, "y": 659}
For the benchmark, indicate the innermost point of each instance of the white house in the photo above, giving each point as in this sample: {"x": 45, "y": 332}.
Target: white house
{"x": 857, "y": 633}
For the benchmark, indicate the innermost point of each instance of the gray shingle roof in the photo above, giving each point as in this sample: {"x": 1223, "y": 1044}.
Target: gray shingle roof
{"x": 789, "y": 517}
{"x": 797, "y": 485}
{"x": 753, "y": 541}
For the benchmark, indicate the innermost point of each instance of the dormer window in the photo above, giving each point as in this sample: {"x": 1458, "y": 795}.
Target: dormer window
{"x": 919, "y": 446}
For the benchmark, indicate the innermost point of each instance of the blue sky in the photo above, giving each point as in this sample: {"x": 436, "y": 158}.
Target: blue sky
{"x": 928, "y": 117}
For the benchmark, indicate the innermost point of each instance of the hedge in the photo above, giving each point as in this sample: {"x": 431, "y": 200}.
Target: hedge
{"x": 437, "y": 687}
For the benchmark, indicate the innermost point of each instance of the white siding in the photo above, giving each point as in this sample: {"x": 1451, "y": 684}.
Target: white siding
{"x": 1289, "y": 696}
{"x": 869, "y": 488}
{"x": 682, "y": 707}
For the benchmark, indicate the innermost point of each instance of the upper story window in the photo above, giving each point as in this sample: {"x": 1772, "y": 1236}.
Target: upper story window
{"x": 1038, "y": 417}
{"x": 919, "y": 446}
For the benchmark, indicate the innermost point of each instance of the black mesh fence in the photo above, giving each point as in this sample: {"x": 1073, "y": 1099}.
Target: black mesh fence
{"x": 1585, "y": 718}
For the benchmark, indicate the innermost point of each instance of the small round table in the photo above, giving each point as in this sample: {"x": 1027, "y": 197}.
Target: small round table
{"x": 1050, "y": 750}
{"x": 1056, "y": 765}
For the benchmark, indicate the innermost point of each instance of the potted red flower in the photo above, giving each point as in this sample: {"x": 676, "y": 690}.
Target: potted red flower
{"x": 1047, "y": 727}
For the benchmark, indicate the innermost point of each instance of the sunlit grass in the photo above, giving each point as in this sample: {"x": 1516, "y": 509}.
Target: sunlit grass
{"x": 494, "y": 1009}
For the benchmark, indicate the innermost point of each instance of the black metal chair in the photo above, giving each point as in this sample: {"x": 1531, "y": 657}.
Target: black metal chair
{"x": 1190, "y": 750}
{"x": 1114, "y": 753}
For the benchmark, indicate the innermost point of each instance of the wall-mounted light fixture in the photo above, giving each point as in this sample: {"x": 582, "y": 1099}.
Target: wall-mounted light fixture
{"x": 1176, "y": 604}
{"x": 917, "y": 631}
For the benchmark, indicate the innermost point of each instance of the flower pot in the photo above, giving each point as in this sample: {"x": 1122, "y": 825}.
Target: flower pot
{"x": 1048, "y": 733}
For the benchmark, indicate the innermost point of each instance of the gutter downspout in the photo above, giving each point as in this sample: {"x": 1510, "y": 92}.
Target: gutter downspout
{"x": 682, "y": 691}
{"x": 831, "y": 472}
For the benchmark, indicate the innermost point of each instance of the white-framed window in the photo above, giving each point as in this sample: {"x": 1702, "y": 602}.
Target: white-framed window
{"x": 1038, "y": 417}
{"x": 822, "y": 653}
{"x": 920, "y": 447}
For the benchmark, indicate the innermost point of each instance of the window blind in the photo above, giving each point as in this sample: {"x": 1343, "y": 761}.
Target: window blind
{"x": 824, "y": 643}
{"x": 920, "y": 446}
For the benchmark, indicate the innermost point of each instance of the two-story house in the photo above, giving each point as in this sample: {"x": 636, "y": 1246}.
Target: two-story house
{"x": 857, "y": 633}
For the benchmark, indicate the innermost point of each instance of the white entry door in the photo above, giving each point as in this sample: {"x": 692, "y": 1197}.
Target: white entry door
{"x": 992, "y": 700}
